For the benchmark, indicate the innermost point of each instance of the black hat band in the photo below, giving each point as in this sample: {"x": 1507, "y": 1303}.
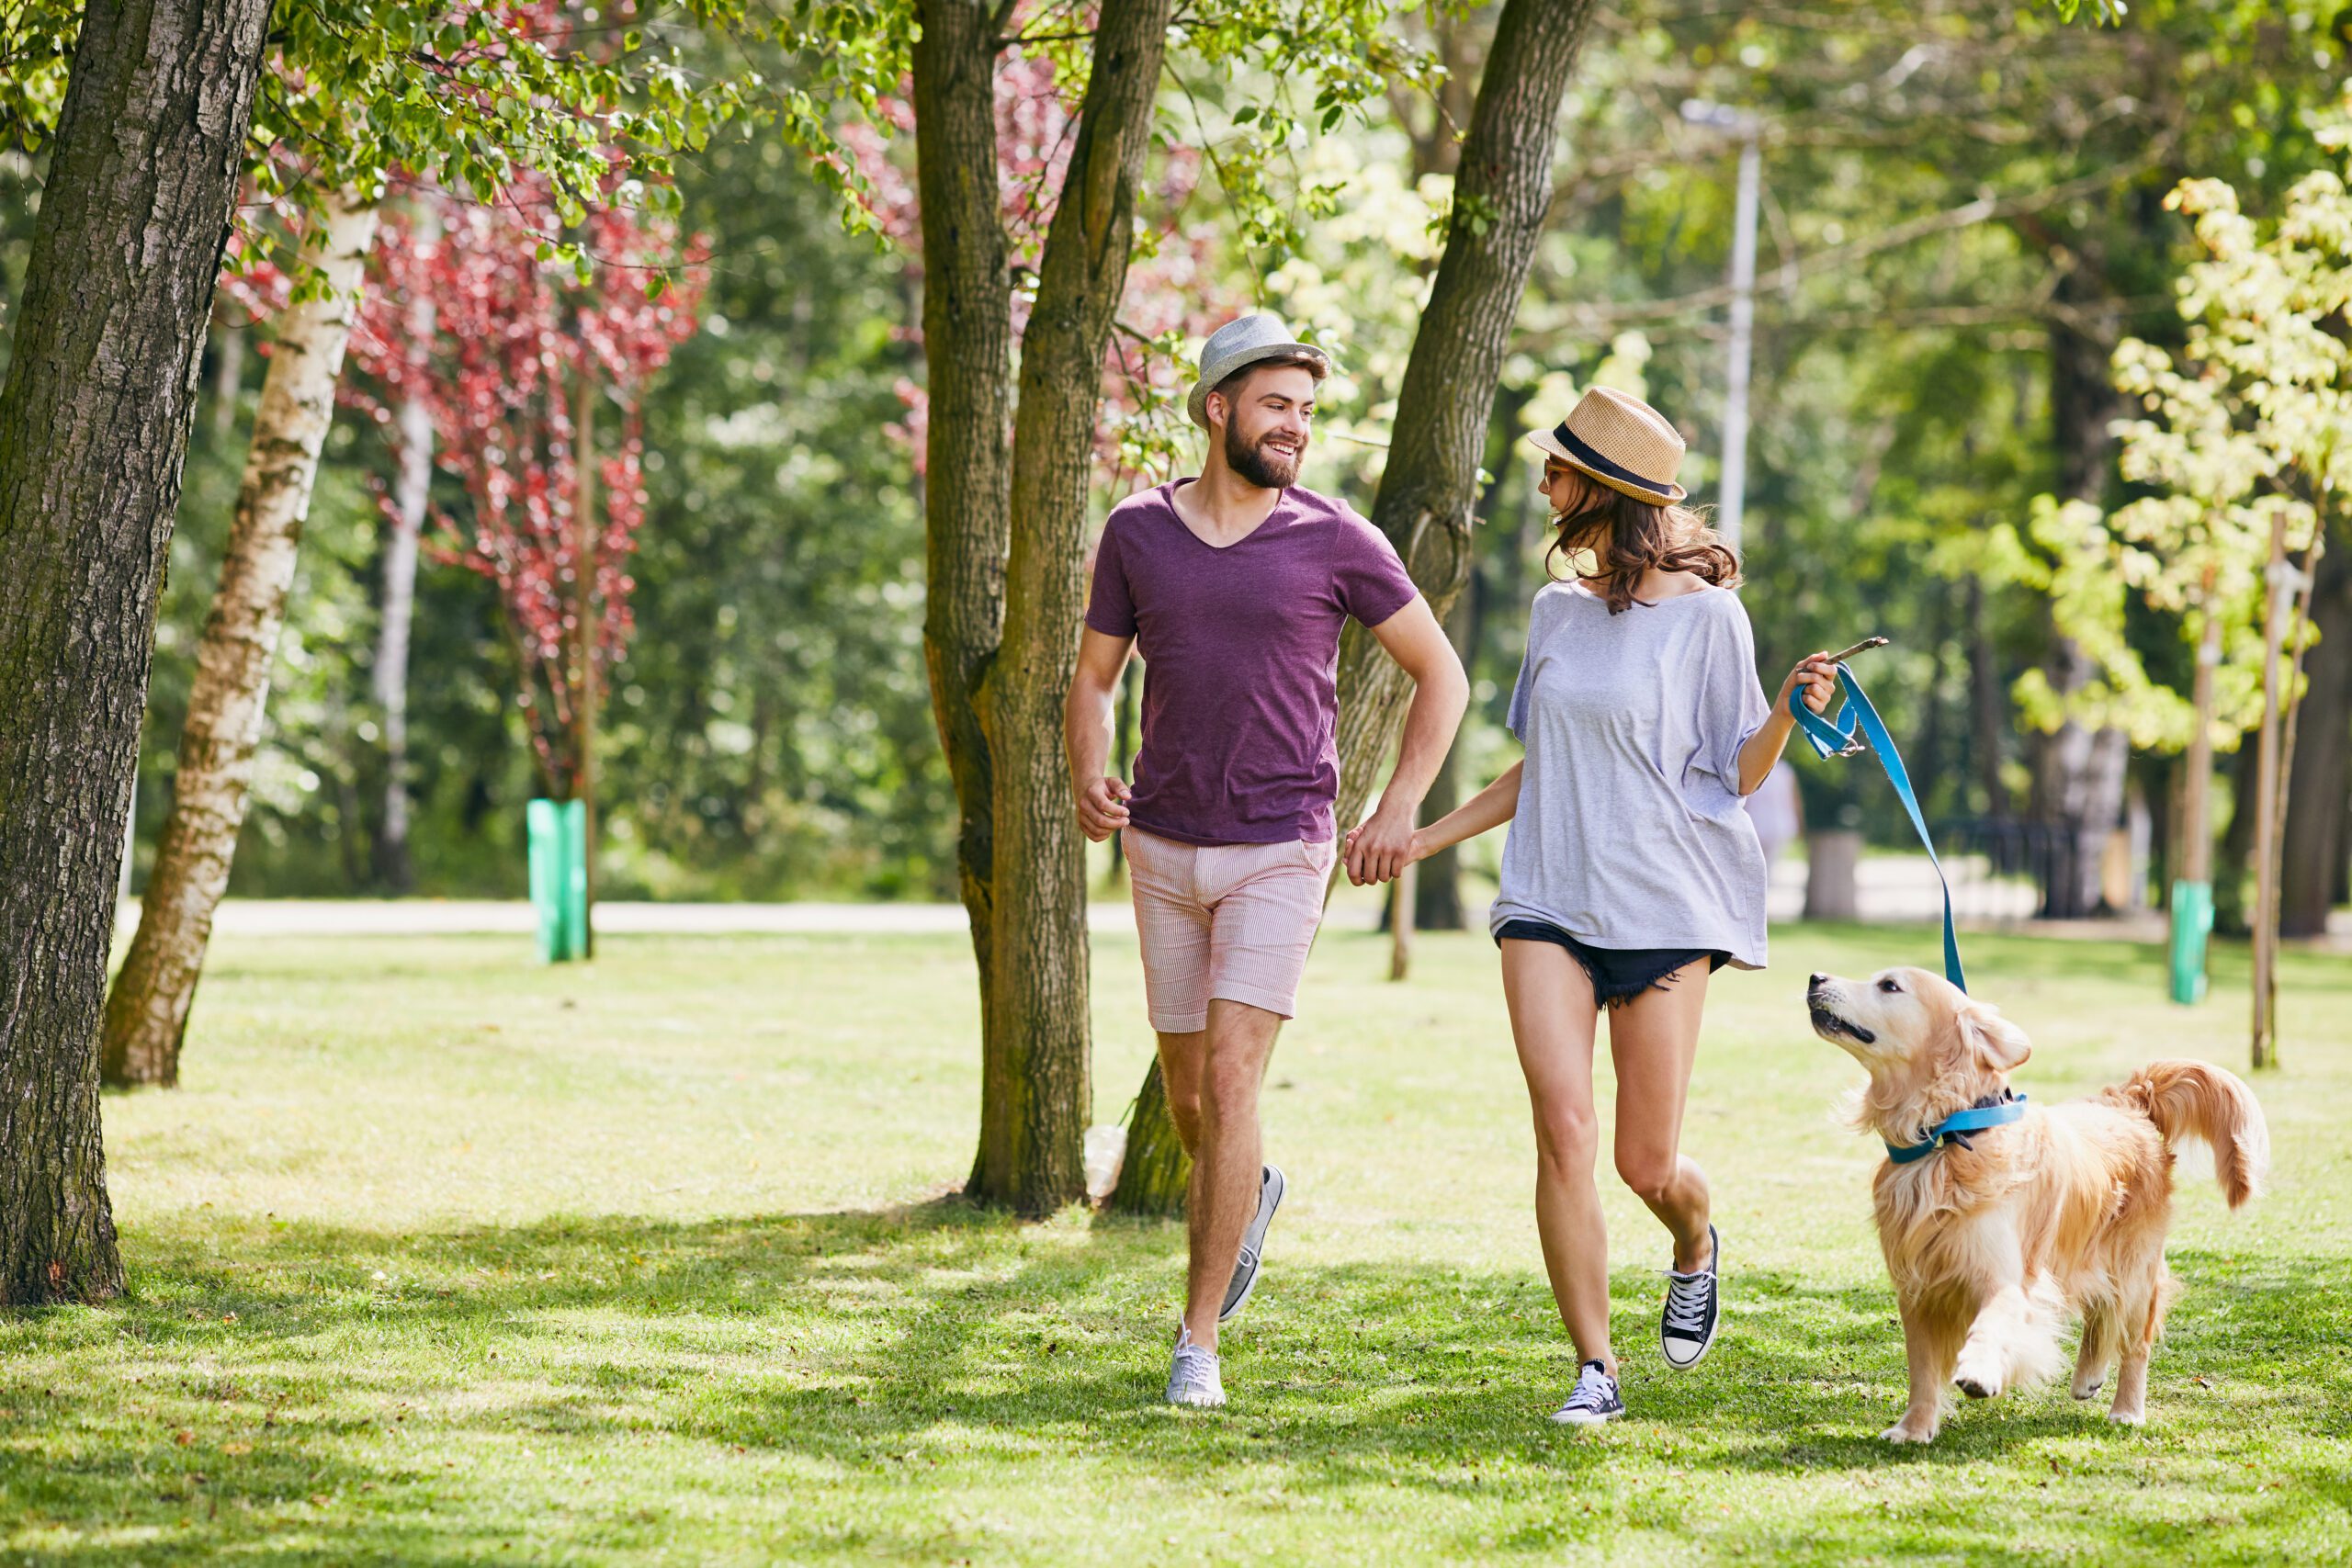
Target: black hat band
{"x": 1567, "y": 438}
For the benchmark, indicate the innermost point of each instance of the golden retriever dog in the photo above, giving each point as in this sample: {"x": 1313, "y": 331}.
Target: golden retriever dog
{"x": 1995, "y": 1236}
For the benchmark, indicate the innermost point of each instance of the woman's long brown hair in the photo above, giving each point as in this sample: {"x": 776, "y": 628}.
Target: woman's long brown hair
{"x": 1633, "y": 536}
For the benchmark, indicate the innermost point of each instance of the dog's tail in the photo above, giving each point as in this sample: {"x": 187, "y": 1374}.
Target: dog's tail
{"x": 2194, "y": 1099}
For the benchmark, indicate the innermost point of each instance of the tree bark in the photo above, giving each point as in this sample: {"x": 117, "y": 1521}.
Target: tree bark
{"x": 147, "y": 1011}
{"x": 967, "y": 349}
{"x": 586, "y": 634}
{"x": 94, "y": 427}
{"x": 1437, "y": 888}
{"x": 1031, "y": 1153}
{"x": 1988, "y": 706}
{"x": 2234, "y": 854}
{"x": 2079, "y": 773}
{"x": 2315, "y": 832}
{"x": 1502, "y": 191}
{"x": 1155, "y": 1170}
{"x": 412, "y": 496}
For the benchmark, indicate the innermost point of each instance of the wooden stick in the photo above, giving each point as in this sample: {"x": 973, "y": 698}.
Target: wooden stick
{"x": 1863, "y": 646}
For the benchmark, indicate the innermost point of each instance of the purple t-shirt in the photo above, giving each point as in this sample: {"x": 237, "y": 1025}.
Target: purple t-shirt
{"x": 1242, "y": 654}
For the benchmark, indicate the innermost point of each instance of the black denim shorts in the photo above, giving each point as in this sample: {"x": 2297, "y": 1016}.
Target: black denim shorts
{"x": 1618, "y": 974}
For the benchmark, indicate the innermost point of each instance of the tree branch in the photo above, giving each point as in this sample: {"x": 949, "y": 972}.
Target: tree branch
{"x": 1787, "y": 275}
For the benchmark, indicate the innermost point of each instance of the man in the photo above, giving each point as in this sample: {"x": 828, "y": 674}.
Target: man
{"x": 1234, "y": 587}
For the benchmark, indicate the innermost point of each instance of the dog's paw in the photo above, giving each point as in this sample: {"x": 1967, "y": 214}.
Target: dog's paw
{"x": 1903, "y": 1432}
{"x": 1976, "y": 1387}
{"x": 2127, "y": 1417}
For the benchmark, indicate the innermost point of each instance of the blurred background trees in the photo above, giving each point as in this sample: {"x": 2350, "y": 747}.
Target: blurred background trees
{"x": 1963, "y": 217}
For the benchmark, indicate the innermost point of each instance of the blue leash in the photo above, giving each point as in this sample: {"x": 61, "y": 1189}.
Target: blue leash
{"x": 1839, "y": 739}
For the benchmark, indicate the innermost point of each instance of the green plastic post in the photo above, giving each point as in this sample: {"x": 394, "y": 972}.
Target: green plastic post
{"x": 557, "y": 835}
{"x": 2192, "y": 925}
{"x": 575, "y": 880}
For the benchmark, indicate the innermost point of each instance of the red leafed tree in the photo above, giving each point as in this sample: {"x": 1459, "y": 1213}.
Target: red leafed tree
{"x": 527, "y": 366}
{"x": 1171, "y": 292}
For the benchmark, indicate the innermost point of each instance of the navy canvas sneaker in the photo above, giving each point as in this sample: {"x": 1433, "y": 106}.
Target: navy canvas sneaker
{"x": 1693, "y": 1307}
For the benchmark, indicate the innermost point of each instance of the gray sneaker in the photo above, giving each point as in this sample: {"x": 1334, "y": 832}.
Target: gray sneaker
{"x": 1253, "y": 1244}
{"x": 1193, "y": 1377}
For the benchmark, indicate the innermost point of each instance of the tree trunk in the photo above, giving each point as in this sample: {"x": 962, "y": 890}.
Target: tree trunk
{"x": 2078, "y": 778}
{"x": 1502, "y": 191}
{"x": 1988, "y": 706}
{"x": 1400, "y": 923}
{"x": 967, "y": 349}
{"x": 228, "y": 379}
{"x": 1437, "y": 888}
{"x": 586, "y": 634}
{"x": 147, "y": 1011}
{"x": 2235, "y": 852}
{"x": 94, "y": 428}
{"x": 1122, "y": 752}
{"x": 411, "y": 491}
{"x": 2316, "y": 783}
{"x": 412, "y": 496}
{"x": 1031, "y": 1153}
{"x": 1833, "y": 858}
{"x": 1156, "y": 1169}
{"x": 2277, "y": 598}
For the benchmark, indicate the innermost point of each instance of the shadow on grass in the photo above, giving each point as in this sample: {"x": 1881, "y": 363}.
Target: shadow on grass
{"x": 863, "y": 1347}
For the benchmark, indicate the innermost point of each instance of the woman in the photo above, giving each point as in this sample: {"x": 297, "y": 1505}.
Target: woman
{"x": 1631, "y": 872}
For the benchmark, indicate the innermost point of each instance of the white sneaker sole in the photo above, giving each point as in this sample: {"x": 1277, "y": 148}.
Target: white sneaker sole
{"x": 1580, "y": 1418}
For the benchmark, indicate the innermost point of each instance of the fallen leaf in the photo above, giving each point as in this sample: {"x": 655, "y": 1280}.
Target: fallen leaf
{"x": 183, "y": 1437}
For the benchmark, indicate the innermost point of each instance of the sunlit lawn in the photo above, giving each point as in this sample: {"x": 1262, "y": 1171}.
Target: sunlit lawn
{"x": 442, "y": 1256}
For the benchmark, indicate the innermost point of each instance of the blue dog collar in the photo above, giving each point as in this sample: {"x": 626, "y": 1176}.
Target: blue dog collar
{"x": 1953, "y": 1128}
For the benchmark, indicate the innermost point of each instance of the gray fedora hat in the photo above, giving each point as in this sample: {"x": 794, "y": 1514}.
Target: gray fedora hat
{"x": 1241, "y": 342}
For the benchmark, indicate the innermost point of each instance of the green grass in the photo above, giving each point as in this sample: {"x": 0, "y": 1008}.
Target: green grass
{"x": 443, "y": 1257}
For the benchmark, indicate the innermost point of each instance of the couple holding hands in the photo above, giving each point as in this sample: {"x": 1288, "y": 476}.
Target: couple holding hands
{"x": 1630, "y": 875}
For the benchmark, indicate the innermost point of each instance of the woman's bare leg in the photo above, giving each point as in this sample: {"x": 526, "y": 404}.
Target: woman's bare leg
{"x": 1552, "y": 1019}
{"x": 1653, "y": 1039}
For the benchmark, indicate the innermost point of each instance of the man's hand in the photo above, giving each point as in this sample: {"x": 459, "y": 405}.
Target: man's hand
{"x": 1380, "y": 849}
{"x": 1102, "y": 807}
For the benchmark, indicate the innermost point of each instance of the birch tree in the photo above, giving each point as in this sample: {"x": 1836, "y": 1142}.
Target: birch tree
{"x": 563, "y": 131}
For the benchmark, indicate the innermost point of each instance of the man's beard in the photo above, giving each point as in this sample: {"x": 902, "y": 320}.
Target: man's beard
{"x": 1262, "y": 466}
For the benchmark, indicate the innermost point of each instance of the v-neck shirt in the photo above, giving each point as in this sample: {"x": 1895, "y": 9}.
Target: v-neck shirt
{"x": 1631, "y": 831}
{"x": 1240, "y": 645}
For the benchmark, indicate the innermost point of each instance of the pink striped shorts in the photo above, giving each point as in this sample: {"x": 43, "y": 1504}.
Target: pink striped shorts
{"x": 1224, "y": 921}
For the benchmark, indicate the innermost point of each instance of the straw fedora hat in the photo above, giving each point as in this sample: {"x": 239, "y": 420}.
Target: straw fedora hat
{"x": 1620, "y": 441}
{"x": 1241, "y": 342}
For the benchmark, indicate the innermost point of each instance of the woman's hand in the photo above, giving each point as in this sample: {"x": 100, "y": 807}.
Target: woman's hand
{"x": 1819, "y": 676}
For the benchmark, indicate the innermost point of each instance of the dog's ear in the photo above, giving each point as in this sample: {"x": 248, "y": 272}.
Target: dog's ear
{"x": 1994, "y": 1041}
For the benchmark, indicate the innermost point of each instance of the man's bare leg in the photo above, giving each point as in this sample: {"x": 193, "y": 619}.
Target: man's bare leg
{"x": 1228, "y": 1158}
{"x": 1183, "y": 1062}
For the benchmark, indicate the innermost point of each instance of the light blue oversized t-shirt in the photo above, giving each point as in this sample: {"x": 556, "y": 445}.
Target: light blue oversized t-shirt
{"x": 1629, "y": 832}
